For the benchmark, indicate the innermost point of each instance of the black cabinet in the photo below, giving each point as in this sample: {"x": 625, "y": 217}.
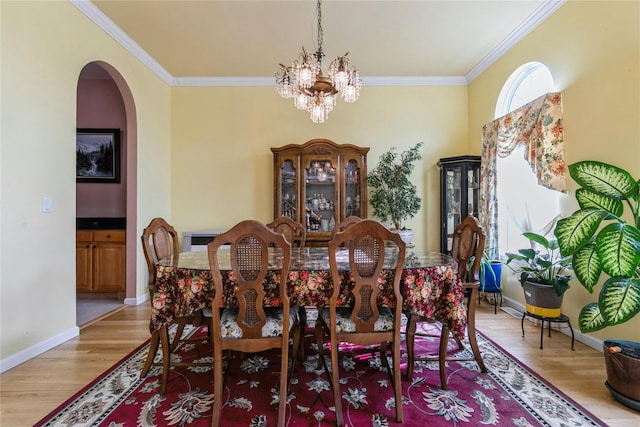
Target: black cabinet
{"x": 459, "y": 186}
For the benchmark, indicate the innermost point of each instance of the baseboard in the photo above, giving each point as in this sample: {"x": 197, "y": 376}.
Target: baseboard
{"x": 36, "y": 350}
{"x": 585, "y": 339}
{"x": 138, "y": 300}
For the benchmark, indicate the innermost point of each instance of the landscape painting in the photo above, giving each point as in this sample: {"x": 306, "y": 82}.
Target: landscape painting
{"x": 98, "y": 155}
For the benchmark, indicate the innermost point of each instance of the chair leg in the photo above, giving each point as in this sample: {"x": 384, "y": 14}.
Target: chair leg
{"x": 335, "y": 382}
{"x": 153, "y": 349}
{"x": 178, "y": 336}
{"x": 471, "y": 331}
{"x": 410, "y": 336}
{"x": 319, "y": 332}
{"x": 302, "y": 319}
{"x": 166, "y": 357}
{"x": 397, "y": 383}
{"x": 218, "y": 382}
{"x": 284, "y": 381}
{"x": 442, "y": 355}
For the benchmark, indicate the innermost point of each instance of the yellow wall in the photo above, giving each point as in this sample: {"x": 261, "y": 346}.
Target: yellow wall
{"x": 223, "y": 166}
{"x": 593, "y": 52}
{"x": 44, "y": 47}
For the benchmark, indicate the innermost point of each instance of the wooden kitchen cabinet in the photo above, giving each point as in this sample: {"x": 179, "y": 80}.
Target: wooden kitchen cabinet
{"x": 318, "y": 184}
{"x": 100, "y": 261}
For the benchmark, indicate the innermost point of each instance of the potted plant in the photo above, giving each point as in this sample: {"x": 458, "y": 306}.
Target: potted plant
{"x": 542, "y": 274}
{"x": 392, "y": 194}
{"x": 599, "y": 240}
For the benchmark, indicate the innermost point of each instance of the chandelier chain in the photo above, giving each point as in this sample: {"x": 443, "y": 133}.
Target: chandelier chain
{"x": 320, "y": 32}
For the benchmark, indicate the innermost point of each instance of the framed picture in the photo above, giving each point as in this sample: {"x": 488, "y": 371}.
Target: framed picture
{"x": 98, "y": 155}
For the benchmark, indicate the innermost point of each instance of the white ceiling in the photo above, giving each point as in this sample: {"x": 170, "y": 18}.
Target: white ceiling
{"x": 386, "y": 40}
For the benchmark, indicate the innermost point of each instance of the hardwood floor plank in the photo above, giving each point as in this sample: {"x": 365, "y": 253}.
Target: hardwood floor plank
{"x": 54, "y": 376}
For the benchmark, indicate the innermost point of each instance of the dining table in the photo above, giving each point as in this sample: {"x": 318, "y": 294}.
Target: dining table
{"x": 430, "y": 285}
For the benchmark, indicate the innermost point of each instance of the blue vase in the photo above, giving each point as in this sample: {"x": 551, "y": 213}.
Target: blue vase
{"x": 489, "y": 283}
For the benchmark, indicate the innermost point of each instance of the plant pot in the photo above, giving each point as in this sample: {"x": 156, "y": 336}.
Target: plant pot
{"x": 491, "y": 282}
{"x": 406, "y": 235}
{"x": 623, "y": 371}
{"x": 542, "y": 300}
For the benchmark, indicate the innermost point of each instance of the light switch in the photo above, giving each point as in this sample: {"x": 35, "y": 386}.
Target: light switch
{"x": 46, "y": 204}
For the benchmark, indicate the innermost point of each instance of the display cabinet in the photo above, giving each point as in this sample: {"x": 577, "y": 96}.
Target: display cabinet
{"x": 318, "y": 184}
{"x": 459, "y": 187}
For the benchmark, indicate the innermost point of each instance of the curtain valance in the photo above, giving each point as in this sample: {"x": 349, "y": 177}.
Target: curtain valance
{"x": 537, "y": 127}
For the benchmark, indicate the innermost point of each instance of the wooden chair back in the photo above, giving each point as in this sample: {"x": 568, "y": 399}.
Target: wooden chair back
{"x": 366, "y": 241}
{"x": 159, "y": 240}
{"x": 344, "y": 224}
{"x": 468, "y": 242}
{"x": 248, "y": 255}
{"x": 293, "y": 231}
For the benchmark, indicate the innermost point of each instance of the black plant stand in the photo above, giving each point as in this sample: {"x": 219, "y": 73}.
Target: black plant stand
{"x": 561, "y": 319}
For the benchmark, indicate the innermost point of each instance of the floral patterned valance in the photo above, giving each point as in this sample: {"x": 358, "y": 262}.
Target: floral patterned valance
{"x": 536, "y": 126}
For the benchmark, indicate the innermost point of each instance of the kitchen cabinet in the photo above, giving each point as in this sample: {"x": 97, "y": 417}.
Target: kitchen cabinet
{"x": 318, "y": 184}
{"x": 459, "y": 190}
{"x": 100, "y": 261}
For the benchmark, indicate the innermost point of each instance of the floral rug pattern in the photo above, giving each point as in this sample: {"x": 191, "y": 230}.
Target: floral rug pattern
{"x": 509, "y": 395}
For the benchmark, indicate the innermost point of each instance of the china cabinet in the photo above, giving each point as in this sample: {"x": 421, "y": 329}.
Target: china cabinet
{"x": 459, "y": 186}
{"x": 318, "y": 184}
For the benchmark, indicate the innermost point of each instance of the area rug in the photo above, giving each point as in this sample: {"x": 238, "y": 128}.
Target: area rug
{"x": 509, "y": 395}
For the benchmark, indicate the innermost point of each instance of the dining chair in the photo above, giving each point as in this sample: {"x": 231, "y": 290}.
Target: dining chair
{"x": 159, "y": 240}
{"x": 364, "y": 322}
{"x": 344, "y": 224}
{"x": 294, "y": 232}
{"x": 468, "y": 246}
{"x": 251, "y": 327}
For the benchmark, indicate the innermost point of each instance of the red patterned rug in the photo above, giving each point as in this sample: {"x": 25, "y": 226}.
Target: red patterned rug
{"x": 510, "y": 394}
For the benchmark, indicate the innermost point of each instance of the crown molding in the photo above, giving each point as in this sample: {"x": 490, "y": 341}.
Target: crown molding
{"x": 366, "y": 81}
{"x": 109, "y": 27}
{"x": 102, "y": 21}
{"x": 536, "y": 18}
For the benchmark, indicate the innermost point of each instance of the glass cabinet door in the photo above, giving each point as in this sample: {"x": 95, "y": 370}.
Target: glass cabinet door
{"x": 320, "y": 194}
{"x": 352, "y": 200}
{"x": 459, "y": 186}
{"x": 288, "y": 190}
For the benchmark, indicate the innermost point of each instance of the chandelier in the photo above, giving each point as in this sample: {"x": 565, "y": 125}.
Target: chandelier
{"x": 310, "y": 89}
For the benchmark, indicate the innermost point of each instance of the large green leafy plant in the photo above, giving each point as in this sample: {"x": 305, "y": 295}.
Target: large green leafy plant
{"x": 599, "y": 239}
{"x": 393, "y": 195}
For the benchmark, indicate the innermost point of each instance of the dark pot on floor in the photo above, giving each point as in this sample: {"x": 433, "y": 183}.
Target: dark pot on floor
{"x": 542, "y": 300}
{"x": 622, "y": 359}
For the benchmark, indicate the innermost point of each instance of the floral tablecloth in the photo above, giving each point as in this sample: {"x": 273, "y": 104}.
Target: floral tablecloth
{"x": 430, "y": 286}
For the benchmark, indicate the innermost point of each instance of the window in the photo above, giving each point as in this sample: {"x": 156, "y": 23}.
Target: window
{"x": 523, "y": 205}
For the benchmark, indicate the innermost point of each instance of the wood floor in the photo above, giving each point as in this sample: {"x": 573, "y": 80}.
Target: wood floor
{"x": 32, "y": 390}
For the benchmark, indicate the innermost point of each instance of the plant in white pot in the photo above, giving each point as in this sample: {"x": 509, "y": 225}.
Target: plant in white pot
{"x": 599, "y": 240}
{"x": 392, "y": 194}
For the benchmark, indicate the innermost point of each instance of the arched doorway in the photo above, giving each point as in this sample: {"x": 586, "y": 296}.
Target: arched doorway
{"x": 104, "y": 101}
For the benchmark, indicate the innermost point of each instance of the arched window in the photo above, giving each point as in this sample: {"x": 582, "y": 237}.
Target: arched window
{"x": 523, "y": 204}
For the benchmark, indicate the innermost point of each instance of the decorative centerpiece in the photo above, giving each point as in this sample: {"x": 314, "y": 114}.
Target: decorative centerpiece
{"x": 392, "y": 194}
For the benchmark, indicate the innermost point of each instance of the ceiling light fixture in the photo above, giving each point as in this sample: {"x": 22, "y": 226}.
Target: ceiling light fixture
{"x": 310, "y": 89}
